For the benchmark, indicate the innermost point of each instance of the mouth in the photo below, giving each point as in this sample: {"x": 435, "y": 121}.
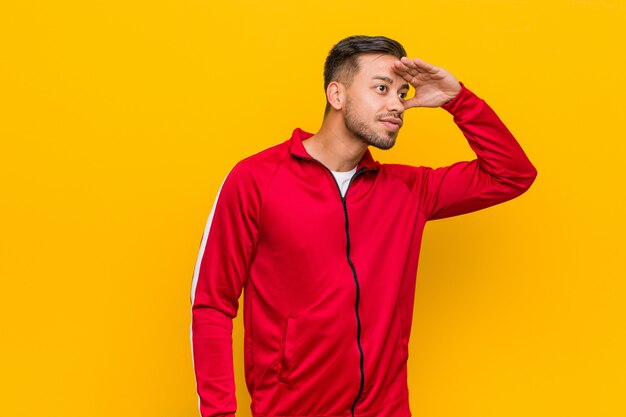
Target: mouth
{"x": 392, "y": 123}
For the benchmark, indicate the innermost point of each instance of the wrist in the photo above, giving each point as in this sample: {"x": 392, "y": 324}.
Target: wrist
{"x": 451, "y": 101}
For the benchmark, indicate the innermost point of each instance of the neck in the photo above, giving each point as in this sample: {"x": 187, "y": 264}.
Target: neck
{"x": 334, "y": 146}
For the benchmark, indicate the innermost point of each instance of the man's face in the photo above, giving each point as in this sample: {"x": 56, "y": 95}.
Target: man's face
{"x": 375, "y": 101}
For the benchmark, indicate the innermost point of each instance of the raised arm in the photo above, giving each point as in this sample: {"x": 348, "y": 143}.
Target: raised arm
{"x": 227, "y": 247}
{"x": 501, "y": 170}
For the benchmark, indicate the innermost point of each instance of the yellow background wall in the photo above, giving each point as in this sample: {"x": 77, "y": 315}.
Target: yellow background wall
{"x": 119, "y": 120}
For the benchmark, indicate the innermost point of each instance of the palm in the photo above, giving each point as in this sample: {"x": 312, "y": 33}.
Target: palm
{"x": 434, "y": 86}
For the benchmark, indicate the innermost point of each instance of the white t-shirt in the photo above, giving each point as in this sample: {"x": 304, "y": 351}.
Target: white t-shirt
{"x": 343, "y": 179}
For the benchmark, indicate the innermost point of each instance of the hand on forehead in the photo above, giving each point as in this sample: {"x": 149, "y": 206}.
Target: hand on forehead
{"x": 409, "y": 69}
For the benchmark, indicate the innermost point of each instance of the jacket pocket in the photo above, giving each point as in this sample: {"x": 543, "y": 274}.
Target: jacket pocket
{"x": 287, "y": 351}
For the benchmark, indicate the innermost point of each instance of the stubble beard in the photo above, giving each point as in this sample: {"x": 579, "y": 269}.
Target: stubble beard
{"x": 360, "y": 129}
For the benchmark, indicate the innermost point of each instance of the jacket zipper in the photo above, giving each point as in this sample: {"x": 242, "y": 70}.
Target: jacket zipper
{"x": 356, "y": 280}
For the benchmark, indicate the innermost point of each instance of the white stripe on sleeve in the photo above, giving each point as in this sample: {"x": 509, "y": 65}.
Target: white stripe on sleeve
{"x": 196, "y": 273}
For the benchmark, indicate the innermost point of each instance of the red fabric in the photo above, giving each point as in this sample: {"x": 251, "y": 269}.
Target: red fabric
{"x": 279, "y": 234}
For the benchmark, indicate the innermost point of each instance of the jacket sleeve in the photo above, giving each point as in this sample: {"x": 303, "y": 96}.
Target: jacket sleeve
{"x": 227, "y": 248}
{"x": 500, "y": 172}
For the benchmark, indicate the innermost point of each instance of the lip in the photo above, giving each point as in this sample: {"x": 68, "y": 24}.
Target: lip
{"x": 392, "y": 123}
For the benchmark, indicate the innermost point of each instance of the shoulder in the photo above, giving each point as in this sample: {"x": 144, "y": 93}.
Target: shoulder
{"x": 264, "y": 160}
{"x": 253, "y": 173}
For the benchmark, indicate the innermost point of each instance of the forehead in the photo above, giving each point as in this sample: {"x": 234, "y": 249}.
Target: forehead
{"x": 377, "y": 65}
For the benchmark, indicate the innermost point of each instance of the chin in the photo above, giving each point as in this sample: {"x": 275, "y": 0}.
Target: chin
{"x": 391, "y": 140}
{"x": 384, "y": 145}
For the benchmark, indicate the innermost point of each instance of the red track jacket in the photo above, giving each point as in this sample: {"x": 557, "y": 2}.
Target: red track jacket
{"x": 329, "y": 281}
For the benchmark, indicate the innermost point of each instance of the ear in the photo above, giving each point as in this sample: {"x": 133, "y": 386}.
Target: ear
{"x": 335, "y": 94}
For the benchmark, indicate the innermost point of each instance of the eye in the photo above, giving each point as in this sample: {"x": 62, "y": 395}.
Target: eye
{"x": 382, "y": 88}
{"x": 402, "y": 95}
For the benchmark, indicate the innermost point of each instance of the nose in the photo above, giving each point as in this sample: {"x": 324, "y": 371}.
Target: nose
{"x": 395, "y": 104}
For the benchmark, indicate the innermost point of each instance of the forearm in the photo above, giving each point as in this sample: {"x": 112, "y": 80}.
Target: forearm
{"x": 500, "y": 172}
{"x": 211, "y": 334}
{"x": 498, "y": 152}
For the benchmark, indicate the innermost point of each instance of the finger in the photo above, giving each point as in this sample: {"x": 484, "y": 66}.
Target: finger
{"x": 403, "y": 71}
{"x": 399, "y": 66}
{"x": 406, "y": 60}
{"x": 410, "y": 66}
{"x": 425, "y": 66}
{"x": 419, "y": 65}
{"x": 412, "y": 102}
{"x": 406, "y": 69}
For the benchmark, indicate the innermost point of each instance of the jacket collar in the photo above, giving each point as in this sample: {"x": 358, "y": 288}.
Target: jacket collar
{"x": 297, "y": 149}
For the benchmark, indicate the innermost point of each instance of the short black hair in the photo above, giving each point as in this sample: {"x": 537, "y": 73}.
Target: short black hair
{"x": 342, "y": 60}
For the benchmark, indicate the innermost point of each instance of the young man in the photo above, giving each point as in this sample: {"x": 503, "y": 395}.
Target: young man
{"x": 325, "y": 241}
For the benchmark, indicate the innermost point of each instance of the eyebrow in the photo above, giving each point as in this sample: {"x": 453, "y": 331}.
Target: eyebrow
{"x": 388, "y": 80}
